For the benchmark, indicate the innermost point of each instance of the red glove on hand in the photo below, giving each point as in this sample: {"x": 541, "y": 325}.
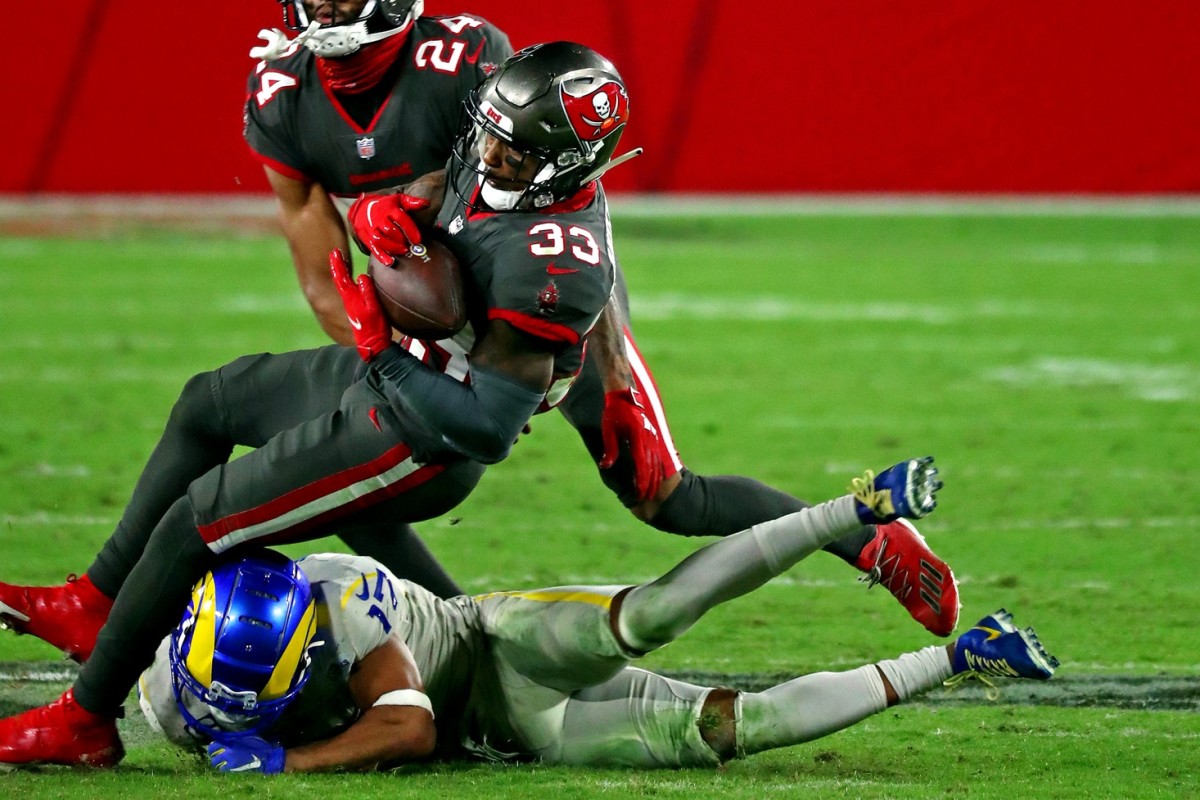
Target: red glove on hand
{"x": 372, "y": 331}
{"x": 625, "y": 420}
{"x": 382, "y": 225}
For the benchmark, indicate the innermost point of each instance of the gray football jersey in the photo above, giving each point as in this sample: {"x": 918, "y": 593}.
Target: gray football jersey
{"x": 548, "y": 273}
{"x": 297, "y": 126}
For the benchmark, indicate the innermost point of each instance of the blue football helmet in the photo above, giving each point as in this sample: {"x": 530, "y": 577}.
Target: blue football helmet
{"x": 242, "y": 646}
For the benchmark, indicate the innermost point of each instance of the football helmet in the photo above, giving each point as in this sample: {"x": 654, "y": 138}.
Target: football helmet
{"x": 377, "y": 20}
{"x": 562, "y": 107}
{"x": 242, "y": 646}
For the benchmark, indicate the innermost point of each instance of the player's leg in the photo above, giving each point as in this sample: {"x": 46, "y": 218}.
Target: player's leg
{"x": 641, "y": 719}
{"x": 717, "y": 505}
{"x": 692, "y": 505}
{"x": 566, "y": 637}
{"x": 245, "y": 402}
{"x": 288, "y": 489}
{"x": 560, "y": 637}
{"x": 816, "y": 705}
{"x": 656, "y": 613}
{"x": 635, "y": 719}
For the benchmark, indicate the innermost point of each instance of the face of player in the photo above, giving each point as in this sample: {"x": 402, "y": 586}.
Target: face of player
{"x": 334, "y": 12}
{"x": 508, "y": 169}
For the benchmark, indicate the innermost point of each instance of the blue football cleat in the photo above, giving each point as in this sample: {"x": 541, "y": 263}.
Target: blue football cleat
{"x": 997, "y": 648}
{"x": 906, "y": 489}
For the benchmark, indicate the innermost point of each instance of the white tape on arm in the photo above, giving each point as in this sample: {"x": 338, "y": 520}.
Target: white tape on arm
{"x": 406, "y": 697}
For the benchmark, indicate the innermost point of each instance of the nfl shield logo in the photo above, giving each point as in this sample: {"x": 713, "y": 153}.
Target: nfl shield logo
{"x": 365, "y": 147}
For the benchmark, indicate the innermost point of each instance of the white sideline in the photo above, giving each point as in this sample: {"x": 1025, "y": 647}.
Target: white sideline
{"x": 166, "y": 206}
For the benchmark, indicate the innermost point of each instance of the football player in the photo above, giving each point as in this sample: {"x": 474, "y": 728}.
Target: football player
{"x": 370, "y": 435}
{"x": 366, "y": 97}
{"x": 397, "y": 674}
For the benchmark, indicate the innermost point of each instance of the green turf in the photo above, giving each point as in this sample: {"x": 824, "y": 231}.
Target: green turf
{"x": 1050, "y": 363}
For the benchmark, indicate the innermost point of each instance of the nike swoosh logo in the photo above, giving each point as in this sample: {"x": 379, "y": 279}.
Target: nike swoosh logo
{"x": 250, "y": 765}
{"x": 354, "y": 323}
{"x": 553, "y": 270}
{"x": 992, "y": 632}
{"x": 471, "y": 59}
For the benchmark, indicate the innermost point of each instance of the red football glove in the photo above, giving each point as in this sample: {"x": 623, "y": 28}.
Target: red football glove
{"x": 382, "y": 226}
{"x": 625, "y": 420}
{"x": 372, "y": 331}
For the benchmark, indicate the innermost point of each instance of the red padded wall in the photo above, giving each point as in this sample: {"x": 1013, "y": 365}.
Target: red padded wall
{"x": 859, "y": 95}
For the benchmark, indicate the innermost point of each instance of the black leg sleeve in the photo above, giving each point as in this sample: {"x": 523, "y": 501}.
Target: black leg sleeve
{"x": 150, "y": 603}
{"x": 719, "y": 505}
{"x": 398, "y": 548}
{"x": 190, "y": 445}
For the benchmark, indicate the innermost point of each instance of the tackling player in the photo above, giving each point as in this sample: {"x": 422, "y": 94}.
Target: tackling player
{"x": 369, "y": 435}
{"x": 343, "y": 666}
{"x": 366, "y": 97}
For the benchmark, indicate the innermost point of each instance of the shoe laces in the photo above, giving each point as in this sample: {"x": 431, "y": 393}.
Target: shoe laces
{"x": 878, "y": 500}
{"x": 990, "y": 690}
{"x": 896, "y": 581}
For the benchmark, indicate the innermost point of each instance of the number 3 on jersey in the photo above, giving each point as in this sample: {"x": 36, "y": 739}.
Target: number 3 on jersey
{"x": 551, "y": 240}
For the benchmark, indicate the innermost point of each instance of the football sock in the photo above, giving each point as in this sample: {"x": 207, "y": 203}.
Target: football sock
{"x": 816, "y": 705}
{"x": 718, "y": 505}
{"x": 656, "y": 613}
{"x": 806, "y": 708}
{"x": 913, "y": 673}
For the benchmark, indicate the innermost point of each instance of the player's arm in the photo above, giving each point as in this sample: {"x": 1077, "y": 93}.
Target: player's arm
{"x": 606, "y": 344}
{"x": 625, "y": 420}
{"x": 482, "y": 419}
{"x": 313, "y": 227}
{"x": 396, "y": 723}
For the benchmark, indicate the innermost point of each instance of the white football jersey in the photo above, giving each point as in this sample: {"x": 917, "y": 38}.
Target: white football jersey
{"x": 359, "y": 605}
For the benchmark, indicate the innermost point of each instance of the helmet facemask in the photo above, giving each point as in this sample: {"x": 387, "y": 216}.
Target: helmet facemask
{"x": 562, "y": 106}
{"x": 529, "y": 186}
{"x": 378, "y": 20}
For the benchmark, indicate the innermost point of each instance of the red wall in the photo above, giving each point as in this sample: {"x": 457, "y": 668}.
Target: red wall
{"x": 776, "y": 96}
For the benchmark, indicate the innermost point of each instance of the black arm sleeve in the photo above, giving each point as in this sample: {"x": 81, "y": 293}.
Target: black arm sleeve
{"x": 481, "y": 420}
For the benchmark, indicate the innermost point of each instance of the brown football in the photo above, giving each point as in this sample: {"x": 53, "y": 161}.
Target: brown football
{"x": 421, "y": 294}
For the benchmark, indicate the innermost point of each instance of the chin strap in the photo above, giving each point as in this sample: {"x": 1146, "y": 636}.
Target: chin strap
{"x": 278, "y": 44}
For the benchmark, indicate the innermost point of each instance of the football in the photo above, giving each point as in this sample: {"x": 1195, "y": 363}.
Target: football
{"x": 421, "y": 294}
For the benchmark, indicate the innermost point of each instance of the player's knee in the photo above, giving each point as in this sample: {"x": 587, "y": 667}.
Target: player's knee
{"x": 718, "y": 722}
{"x": 195, "y": 407}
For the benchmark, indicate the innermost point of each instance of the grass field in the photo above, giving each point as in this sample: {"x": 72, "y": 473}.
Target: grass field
{"x": 1051, "y": 362}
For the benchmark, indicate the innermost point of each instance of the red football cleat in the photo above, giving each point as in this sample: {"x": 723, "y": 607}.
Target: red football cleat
{"x": 60, "y": 733}
{"x": 67, "y": 616}
{"x": 899, "y": 558}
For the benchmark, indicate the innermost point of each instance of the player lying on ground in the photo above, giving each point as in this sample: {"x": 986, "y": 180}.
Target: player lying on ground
{"x": 365, "y": 98}
{"x": 399, "y": 674}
